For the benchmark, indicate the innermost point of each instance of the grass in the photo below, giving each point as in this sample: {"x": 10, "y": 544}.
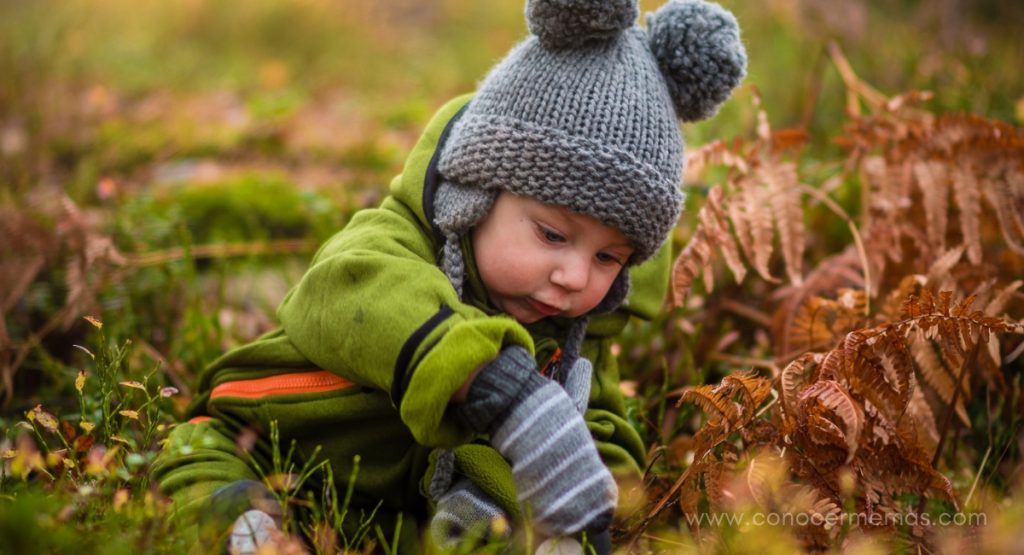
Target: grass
{"x": 171, "y": 127}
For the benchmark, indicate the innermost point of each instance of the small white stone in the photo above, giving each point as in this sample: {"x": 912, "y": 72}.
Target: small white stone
{"x": 251, "y": 530}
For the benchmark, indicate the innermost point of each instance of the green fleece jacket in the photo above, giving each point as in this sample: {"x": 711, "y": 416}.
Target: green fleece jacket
{"x": 373, "y": 343}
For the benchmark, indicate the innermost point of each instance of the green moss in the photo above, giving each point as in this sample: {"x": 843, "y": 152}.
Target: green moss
{"x": 248, "y": 208}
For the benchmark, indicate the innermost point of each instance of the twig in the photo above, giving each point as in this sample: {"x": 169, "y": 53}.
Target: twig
{"x": 661, "y": 504}
{"x": 753, "y": 314}
{"x": 173, "y": 372}
{"x": 1016, "y": 353}
{"x": 26, "y": 347}
{"x": 744, "y": 361}
{"x": 135, "y": 261}
{"x": 287, "y": 246}
{"x": 854, "y": 85}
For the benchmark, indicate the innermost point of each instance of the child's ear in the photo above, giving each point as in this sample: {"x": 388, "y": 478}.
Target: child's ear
{"x": 698, "y": 49}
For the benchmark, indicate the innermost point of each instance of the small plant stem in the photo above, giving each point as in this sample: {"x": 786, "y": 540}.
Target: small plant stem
{"x": 744, "y": 361}
{"x": 981, "y": 468}
{"x": 854, "y": 85}
{"x": 815, "y": 81}
{"x": 30, "y": 343}
{"x": 970, "y": 361}
{"x": 170, "y": 370}
{"x": 857, "y": 240}
{"x": 747, "y": 312}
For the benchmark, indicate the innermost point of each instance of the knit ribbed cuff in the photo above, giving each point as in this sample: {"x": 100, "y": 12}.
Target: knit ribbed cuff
{"x": 512, "y": 375}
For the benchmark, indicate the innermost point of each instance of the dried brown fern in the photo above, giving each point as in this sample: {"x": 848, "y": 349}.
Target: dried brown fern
{"x": 909, "y": 159}
{"x": 880, "y": 345}
{"x": 761, "y": 199}
{"x": 854, "y": 412}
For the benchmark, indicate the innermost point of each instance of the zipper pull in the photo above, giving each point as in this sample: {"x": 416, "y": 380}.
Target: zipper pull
{"x": 557, "y": 356}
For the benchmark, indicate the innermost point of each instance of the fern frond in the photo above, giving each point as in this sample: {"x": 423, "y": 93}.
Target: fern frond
{"x": 935, "y": 372}
{"x": 999, "y": 301}
{"x": 795, "y": 376}
{"x": 943, "y": 266}
{"x": 924, "y": 420}
{"x": 716, "y": 221}
{"x": 838, "y": 404}
{"x": 968, "y": 199}
{"x": 784, "y": 188}
{"x": 694, "y": 258}
{"x": 930, "y": 178}
{"x": 753, "y": 388}
{"x": 712, "y": 231}
{"x": 755, "y": 213}
{"x": 819, "y": 322}
{"x": 1006, "y": 197}
{"x": 713, "y": 400}
{"x": 838, "y": 272}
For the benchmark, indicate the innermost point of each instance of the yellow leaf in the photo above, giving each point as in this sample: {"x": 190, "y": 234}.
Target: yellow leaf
{"x": 120, "y": 439}
{"x": 80, "y": 381}
{"x": 94, "y": 321}
{"x": 134, "y": 415}
{"x": 120, "y": 498}
{"x": 44, "y": 418}
{"x": 9, "y": 454}
{"x": 87, "y": 426}
{"x": 134, "y": 384}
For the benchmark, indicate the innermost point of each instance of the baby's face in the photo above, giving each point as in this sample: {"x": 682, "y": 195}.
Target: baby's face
{"x": 538, "y": 260}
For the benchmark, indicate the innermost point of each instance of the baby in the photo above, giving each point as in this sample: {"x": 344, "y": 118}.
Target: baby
{"x": 454, "y": 342}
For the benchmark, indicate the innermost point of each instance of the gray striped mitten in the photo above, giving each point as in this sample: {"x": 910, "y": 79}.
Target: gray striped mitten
{"x": 577, "y": 383}
{"x": 560, "y": 480}
{"x": 464, "y": 513}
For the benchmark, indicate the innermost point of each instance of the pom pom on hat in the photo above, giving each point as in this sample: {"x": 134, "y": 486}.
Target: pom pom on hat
{"x": 563, "y": 24}
{"x": 698, "y": 48}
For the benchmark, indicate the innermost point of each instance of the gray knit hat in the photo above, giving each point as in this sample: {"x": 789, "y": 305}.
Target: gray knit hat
{"x": 585, "y": 114}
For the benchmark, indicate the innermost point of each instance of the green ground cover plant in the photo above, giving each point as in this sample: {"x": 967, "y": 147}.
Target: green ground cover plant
{"x": 167, "y": 170}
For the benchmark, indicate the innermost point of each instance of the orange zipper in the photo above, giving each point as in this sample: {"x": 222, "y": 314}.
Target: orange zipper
{"x": 316, "y": 381}
{"x": 551, "y": 362}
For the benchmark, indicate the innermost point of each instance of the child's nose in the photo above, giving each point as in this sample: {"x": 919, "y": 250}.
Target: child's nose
{"x": 572, "y": 273}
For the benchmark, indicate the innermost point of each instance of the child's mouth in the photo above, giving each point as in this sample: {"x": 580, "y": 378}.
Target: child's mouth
{"x": 543, "y": 308}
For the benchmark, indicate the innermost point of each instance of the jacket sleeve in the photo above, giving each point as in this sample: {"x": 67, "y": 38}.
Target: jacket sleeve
{"x": 375, "y": 309}
{"x": 197, "y": 459}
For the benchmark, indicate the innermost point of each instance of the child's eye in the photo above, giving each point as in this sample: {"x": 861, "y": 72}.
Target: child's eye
{"x": 607, "y": 258}
{"x": 551, "y": 236}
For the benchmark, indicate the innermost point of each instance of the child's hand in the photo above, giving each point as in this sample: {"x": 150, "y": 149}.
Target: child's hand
{"x": 560, "y": 479}
{"x": 465, "y": 512}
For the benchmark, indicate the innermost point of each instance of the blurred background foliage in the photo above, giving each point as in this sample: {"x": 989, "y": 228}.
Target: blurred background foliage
{"x": 135, "y": 137}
